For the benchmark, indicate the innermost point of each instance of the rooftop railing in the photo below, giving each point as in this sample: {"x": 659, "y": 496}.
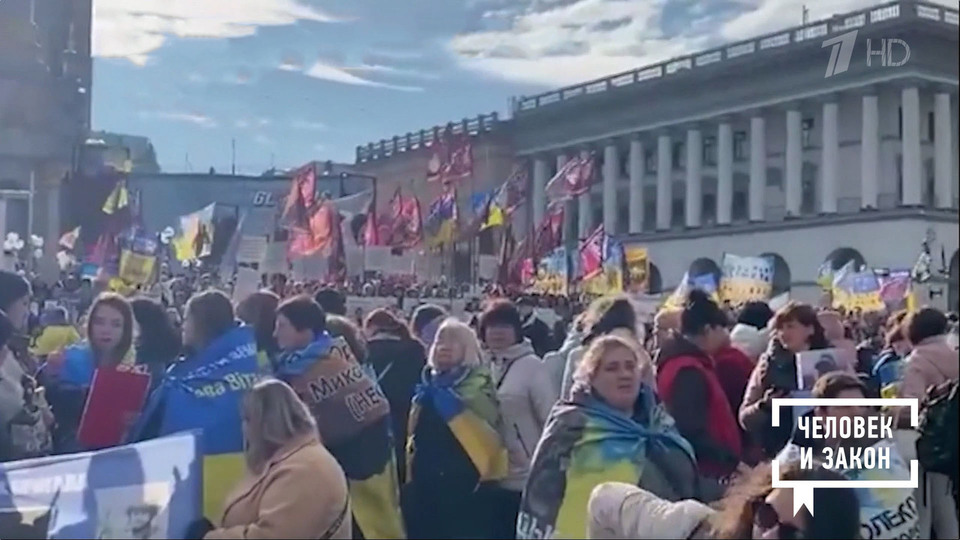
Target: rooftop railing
{"x": 425, "y": 138}
{"x": 816, "y": 30}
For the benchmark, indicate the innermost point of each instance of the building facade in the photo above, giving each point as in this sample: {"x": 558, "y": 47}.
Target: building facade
{"x": 835, "y": 140}
{"x": 45, "y": 88}
{"x": 121, "y": 149}
{"x": 751, "y": 149}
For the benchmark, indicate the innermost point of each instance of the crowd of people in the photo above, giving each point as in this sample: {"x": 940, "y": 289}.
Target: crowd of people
{"x": 414, "y": 423}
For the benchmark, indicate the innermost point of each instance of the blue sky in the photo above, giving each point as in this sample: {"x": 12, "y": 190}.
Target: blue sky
{"x": 295, "y": 80}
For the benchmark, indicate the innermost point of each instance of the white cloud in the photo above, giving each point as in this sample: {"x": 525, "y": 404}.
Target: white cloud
{"x": 391, "y": 70}
{"x": 198, "y": 119}
{"x": 133, "y": 29}
{"x": 560, "y": 42}
{"x": 263, "y": 140}
{"x": 240, "y": 123}
{"x": 330, "y": 72}
{"x": 307, "y": 125}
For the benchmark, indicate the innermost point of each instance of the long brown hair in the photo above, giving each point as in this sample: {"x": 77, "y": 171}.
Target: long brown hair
{"x": 805, "y": 315}
{"x": 120, "y": 304}
{"x": 260, "y": 311}
{"x": 838, "y": 514}
{"x": 382, "y": 320}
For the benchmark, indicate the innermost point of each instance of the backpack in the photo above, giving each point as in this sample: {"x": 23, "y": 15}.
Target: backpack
{"x": 939, "y": 417}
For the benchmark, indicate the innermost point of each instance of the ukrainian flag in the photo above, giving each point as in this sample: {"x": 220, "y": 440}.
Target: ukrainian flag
{"x": 204, "y": 392}
{"x": 466, "y": 400}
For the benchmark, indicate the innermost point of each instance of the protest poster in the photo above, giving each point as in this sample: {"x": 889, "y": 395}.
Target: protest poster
{"x": 746, "y": 278}
{"x": 146, "y": 490}
{"x": 252, "y": 249}
{"x": 638, "y": 268}
{"x": 247, "y": 282}
{"x": 552, "y": 276}
{"x": 857, "y": 291}
{"x": 811, "y": 365}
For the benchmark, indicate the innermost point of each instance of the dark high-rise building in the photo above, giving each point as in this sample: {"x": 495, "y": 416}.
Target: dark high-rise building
{"x": 45, "y": 90}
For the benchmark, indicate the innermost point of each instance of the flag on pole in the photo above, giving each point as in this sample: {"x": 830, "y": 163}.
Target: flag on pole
{"x": 591, "y": 253}
{"x": 573, "y": 179}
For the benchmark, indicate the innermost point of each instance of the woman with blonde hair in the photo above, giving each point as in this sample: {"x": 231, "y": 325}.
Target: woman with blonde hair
{"x": 454, "y": 446}
{"x": 294, "y": 488}
{"x": 610, "y": 430}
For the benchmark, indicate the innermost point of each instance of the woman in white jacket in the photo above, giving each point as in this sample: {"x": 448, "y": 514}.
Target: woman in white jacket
{"x": 526, "y": 394}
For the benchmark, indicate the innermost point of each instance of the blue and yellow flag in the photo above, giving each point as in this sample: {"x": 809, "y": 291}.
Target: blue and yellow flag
{"x": 584, "y": 444}
{"x": 440, "y": 227}
{"x": 466, "y": 400}
{"x": 857, "y": 290}
{"x": 204, "y": 392}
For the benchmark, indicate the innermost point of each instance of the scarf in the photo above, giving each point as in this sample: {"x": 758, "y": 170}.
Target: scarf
{"x": 465, "y": 398}
{"x": 353, "y": 418}
{"x": 586, "y": 443}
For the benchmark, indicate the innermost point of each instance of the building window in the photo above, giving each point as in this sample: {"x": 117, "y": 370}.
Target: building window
{"x": 931, "y": 125}
{"x": 709, "y": 209}
{"x": 809, "y": 201}
{"x": 679, "y": 155}
{"x": 679, "y": 213}
{"x": 650, "y": 161}
{"x": 710, "y": 150}
{"x": 740, "y": 146}
{"x": 740, "y": 206}
{"x": 807, "y": 132}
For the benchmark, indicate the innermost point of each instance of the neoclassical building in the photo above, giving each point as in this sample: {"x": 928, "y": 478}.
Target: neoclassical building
{"x": 835, "y": 140}
{"x": 752, "y": 148}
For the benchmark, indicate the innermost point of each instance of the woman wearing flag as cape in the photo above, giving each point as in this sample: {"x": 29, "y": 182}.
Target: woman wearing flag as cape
{"x": 610, "y": 430}
{"x": 454, "y": 450}
{"x": 204, "y": 391}
{"x": 352, "y": 414}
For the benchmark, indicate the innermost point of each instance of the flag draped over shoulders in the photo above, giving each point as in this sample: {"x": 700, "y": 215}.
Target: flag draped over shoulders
{"x": 353, "y": 418}
{"x": 466, "y": 400}
{"x": 204, "y": 391}
{"x": 586, "y": 443}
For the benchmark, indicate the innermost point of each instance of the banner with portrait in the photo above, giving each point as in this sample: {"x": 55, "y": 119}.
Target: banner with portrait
{"x": 746, "y": 278}
{"x": 145, "y": 490}
{"x": 552, "y": 273}
{"x": 637, "y": 260}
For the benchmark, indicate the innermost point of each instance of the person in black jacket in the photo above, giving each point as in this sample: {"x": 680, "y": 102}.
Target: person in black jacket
{"x": 398, "y": 360}
{"x": 534, "y": 329}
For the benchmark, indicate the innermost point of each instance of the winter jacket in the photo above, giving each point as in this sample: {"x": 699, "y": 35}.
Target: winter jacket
{"x": 932, "y": 362}
{"x": 284, "y": 501}
{"x": 751, "y": 340}
{"x": 556, "y": 361}
{"x": 777, "y": 368}
{"x": 689, "y": 386}
{"x": 617, "y": 510}
{"x": 526, "y": 395}
{"x": 398, "y": 364}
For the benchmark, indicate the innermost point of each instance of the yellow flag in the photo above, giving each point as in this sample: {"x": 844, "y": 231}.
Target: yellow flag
{"x": 118, "y": 198}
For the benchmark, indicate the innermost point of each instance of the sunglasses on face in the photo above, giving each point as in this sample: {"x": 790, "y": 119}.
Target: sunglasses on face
{"x": 765, "y": 518}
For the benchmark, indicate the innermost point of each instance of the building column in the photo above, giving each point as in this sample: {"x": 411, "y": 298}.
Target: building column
{"x": 830, "y": 158}
{"x": 724, "y": 174}
{"x": 943, "y": 145}
{"x": 611, "y": 176}
{"x": 664, "y": 183}
{"x": 585, "y": 211}
{"x": 569, "y": 207}
{"x": 912, "y": 176}
{"x": 694, "y": 210}
{"x": 540, "y": 179}
{"x": 758, "y": 168}
{"x": 793, "y": 169}
{"x": 637, "y": 169}
{"x": 870, "y": 153}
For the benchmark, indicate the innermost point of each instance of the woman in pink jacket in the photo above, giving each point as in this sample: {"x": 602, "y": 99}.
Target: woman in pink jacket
{"x": 932, "y": 362}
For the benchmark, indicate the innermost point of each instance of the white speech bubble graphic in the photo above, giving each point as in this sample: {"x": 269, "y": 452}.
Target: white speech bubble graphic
{"x": 803, "y": 489}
